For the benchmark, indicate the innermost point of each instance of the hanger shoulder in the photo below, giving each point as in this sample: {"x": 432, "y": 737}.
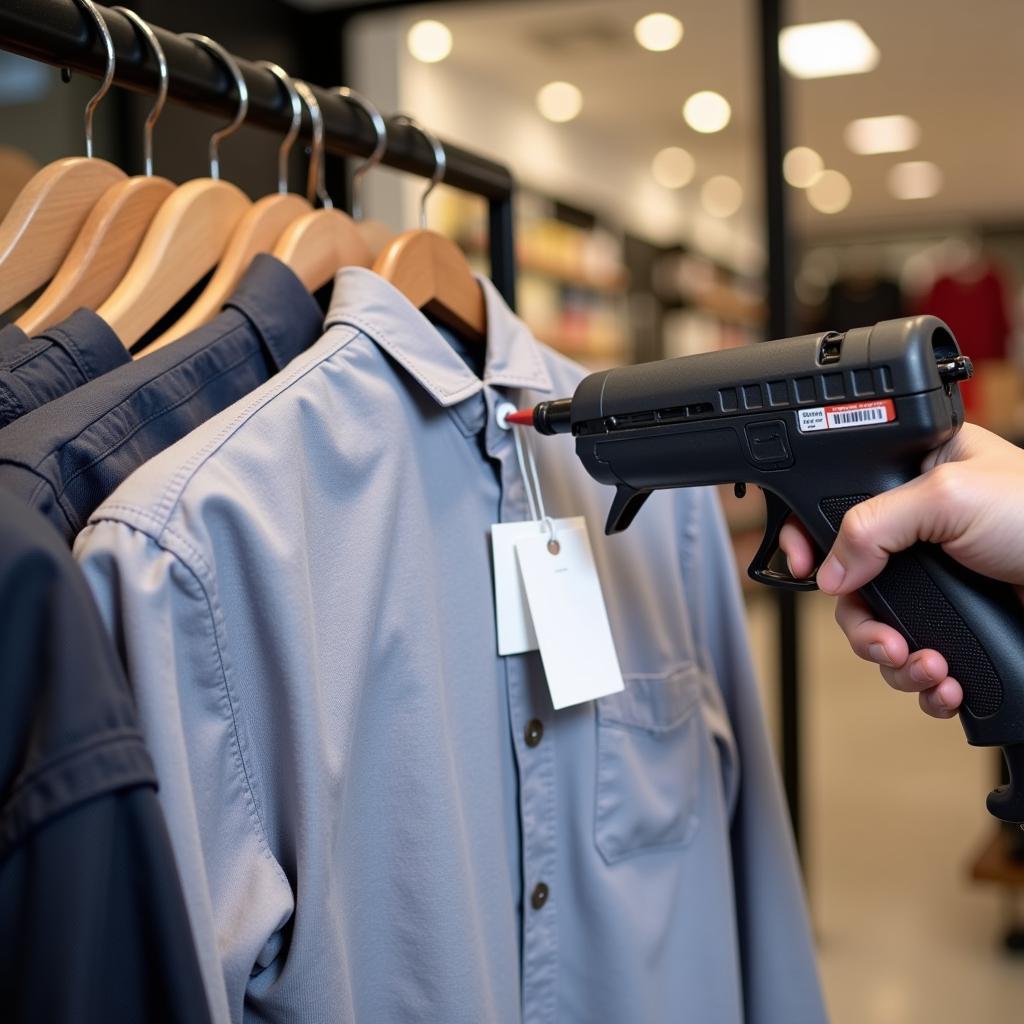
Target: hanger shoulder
{"x": 45, "y": 219}
{"x": 376, "y": 234}
{"x": 186, "y": 239}
{"x": 258, "y": 230}
{"x": 101, "y": 253}
{"x": 432, "y": 273}
{"x": 319, "y": 244}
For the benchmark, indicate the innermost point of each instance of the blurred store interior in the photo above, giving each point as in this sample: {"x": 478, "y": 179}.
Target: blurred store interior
{"x": 634, "y": 130}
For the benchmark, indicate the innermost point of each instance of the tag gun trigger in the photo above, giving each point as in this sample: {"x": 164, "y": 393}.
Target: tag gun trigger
{"x": 760, "y": 569}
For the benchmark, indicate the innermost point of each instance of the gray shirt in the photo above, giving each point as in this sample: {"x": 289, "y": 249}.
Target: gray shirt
{"x": 379, "y": 819}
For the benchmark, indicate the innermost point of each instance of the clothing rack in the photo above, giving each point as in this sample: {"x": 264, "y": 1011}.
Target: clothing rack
{"x": 59, "y": 32}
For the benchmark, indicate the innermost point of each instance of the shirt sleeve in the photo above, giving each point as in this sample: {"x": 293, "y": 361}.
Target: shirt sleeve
{"x": 163, "y": 615}
{"x": 93, "y": 926}
{"x": 780, "y": 980}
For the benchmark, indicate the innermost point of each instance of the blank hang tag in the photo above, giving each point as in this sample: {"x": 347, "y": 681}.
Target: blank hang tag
{"x": 515, "y": 627}
{"x": 568, "y": 613}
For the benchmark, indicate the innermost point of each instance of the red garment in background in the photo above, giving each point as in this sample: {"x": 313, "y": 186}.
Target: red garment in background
{"x": 976, "y": 311}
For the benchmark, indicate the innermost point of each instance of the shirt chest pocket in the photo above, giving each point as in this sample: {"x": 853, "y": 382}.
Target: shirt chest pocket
{"x": 650, "y": 743}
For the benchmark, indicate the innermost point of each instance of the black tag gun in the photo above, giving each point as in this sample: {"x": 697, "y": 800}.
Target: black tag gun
{"x": 819, "y": 423}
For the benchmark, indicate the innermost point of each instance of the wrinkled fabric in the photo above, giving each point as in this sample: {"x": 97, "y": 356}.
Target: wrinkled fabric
{"x": 68, "y": 456}
{"x": 92, "y": 921}
{"x": 302, "y": 591}
{"x": 34, "y": 371}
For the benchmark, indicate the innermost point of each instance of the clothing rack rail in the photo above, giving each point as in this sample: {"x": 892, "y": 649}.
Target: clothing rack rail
{"x": 58, "y": 32}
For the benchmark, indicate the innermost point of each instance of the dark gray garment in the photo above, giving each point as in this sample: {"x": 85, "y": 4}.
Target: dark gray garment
{"x": 93, "y": 926}
{"x": 34, "y": 371}
{"x": 381, "y": 818}
{"x": 67, "y": 457}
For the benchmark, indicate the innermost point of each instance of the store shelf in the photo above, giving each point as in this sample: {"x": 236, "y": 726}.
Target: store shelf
{"x": 731, "y": 306}
{"x": 563, "y": 274}
{"x": 574, "y": 278}
{"x": 584, "y": 348}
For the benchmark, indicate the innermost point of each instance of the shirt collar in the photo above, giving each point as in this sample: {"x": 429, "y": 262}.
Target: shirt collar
{"x": 277, "y": 304}
{"x": 90, "y": 342}
{"x": 366, "y": 300}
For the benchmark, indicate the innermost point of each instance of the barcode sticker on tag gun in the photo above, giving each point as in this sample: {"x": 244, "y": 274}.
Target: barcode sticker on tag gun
{"x": 852, "y": 414}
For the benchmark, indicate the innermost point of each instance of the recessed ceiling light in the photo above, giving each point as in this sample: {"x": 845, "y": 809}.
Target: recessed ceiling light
{"x": 658, "y": 32}
{"x": 560, "y": 101}
{"x": 707, "y": 112}
{"x": 429, "y": 41}
{"x": 830, "y": 193}
{"x": 892, "y": 133}
{"x": 826, "y": 48}
{"x": 673, "y": 167}
{"x": 802, "y": 166}
{"x": 721, "y": 196}
{"x": 914, "y": 179}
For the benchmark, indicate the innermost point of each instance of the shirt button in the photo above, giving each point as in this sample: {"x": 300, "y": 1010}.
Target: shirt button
{"x": 540, "y": 896}
{"x": 534, "y": 732}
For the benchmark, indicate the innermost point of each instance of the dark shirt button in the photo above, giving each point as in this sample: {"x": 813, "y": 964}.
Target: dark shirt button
{"x": 540, "y": 896}
{"x": 534, "y": 732}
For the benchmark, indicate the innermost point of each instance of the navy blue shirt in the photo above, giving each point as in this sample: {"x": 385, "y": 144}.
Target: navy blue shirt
{"x": 68, "y": 456}
{"x": 92, "y": 920}
{"x": 34, "y": 371}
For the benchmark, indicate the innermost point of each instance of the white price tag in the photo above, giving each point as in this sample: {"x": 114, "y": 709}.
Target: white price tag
{"x": 568, "y": 613}
{"x": 515, "y": 628}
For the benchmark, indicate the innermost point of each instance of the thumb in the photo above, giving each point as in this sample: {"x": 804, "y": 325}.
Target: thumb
{"x": 874, "y": 530}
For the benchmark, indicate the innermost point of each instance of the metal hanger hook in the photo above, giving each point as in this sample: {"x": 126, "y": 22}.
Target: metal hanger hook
{"x": 108, "y": 75}
{"x": 315, "y": 183}
{"x": 378, "y": 150}
{"x": 161, "y": 94}
{"x": 289, "y": 140}
{"x": 440, "y": 160}
{"x": 218, "y": 51}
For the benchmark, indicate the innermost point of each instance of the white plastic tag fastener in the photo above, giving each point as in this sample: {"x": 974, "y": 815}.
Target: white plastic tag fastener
{"x": 568, "y": 613}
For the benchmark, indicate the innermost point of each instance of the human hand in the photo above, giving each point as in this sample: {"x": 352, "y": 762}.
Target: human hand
{"x": 969, "y": 499}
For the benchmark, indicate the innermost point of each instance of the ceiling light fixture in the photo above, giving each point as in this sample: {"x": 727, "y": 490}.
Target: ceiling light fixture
{"x": 673, "y": 167}
{"x": 429, "y": 41}
{"x": 893, "y": 133}
{"x": 802, "y": 166}
{"x": 560, "y": 101}
{"x": 658, "y": 32}
{"x": 830, "y": 193}
{"x": 721, "y": 196}
{"x": 823, "y": 49}
{"x": 707, "y": 112}
{"x": 914, "y": 179}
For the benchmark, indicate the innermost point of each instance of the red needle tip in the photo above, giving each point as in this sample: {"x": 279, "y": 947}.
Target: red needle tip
{"x": 523, "y": 417}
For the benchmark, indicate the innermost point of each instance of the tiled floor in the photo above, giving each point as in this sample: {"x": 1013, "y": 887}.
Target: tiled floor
{"x": 894, "y": 815}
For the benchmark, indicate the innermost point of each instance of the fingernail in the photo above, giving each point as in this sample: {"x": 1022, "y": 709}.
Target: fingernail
{"x": 831, "y": 574}
{"x": 919, "y": 673}
{"x": 940, "y": 702}
{"x": 878, "y": 654}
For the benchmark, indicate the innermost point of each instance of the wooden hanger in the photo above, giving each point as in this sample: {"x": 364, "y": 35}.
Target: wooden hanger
{"x": 186, "y": 239}
{"x": 319, "y": 244}
{"x": 430, "y": 270}
{"x": 114, "y": 228}
{"x": 45, "y": 219}
{"x": 432, "y": 273}
{"x": 188, "y": 236}
{"x": 259, "y": 229}
{"x": 376, "y": 234}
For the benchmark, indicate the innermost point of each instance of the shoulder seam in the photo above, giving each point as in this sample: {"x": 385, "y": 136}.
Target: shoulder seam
{"x": 164, "y": 506}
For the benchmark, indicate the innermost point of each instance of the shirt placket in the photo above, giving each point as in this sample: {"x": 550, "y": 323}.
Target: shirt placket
{"x": 533, "y": 737}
